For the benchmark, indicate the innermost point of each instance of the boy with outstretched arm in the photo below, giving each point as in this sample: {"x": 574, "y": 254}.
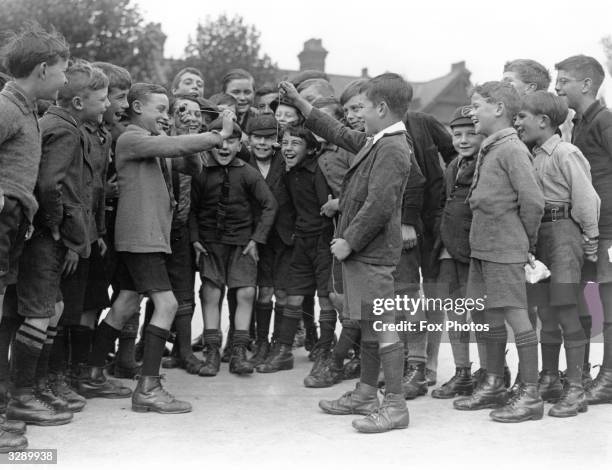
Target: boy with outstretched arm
{"x": 368, "y": 240}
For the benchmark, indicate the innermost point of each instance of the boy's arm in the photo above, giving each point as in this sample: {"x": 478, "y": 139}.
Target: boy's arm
{"x": 261, "y": 193}
{"x": 133, "y": 146}
{"x": 442, "y": 139}
{"x": 385, "y": 185}
{"x": 333, "y": 131}
{"x": 530, "y": 199}
{"x": 58, "y": 147}
{"x": 191, "y": 165}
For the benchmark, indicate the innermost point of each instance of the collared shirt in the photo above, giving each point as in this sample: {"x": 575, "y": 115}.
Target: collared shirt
{"x": 399, "y": 126}
{"x": 565, "y": 177}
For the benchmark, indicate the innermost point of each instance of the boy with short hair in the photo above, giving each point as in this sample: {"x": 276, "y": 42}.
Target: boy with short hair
{"x": 37, "y": 61}
{"x": 571, "y": 214}
{"x": 351, "y": 104}
{"x": 224, "y": 101}
{"x": 526, "y": 76}
{"x": 263, "y": 97}
{"x": 369, "y": 241}
{"x": 142, "y": 239}
{"x": 225, "y": 237}
{"x": 285, "y": 114}
{"x": 578, "y": 81}
{"x": 188, "y": 81}
{"x": 507, "y": 206}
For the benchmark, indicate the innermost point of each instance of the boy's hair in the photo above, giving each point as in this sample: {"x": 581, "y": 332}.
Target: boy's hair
{"x": 179, "y": 75}
{"x": 32, "y": 46}
{"x": 581, "y": 67}
{"x": 322, "y": 86}
{"x": 81, "y": 77}
{"x": 264, "y": 90}
{"x": 118, "y": 77}
{"x": 500, "y": 92}
{"x": 140, "y": 92}
{"x": 351, "y": 90}
{"x": 303, "y": 133}
{"x": 236, "y": 74}
{"x": 174, "y": 99}
{"x": 390, "y": 88}
{"x": 543, "y": 102}
{"x": 529, "y": 71}
{"x": 223, "y": 98}
{"x": 332, "y": 104}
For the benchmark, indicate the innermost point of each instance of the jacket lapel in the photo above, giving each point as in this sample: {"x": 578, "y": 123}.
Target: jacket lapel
{"x": 364, "y": 152}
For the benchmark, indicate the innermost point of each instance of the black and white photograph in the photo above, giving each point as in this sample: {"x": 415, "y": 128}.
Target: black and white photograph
{"x": 306, "y": 235}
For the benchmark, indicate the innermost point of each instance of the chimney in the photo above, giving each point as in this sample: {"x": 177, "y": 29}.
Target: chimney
{"x": 364, "y": 73}
{"x": 458, "y": 66}
{"x": 313, "y": 56}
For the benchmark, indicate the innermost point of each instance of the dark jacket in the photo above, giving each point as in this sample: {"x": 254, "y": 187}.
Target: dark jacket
{"x": 592, "y": 134}
{"x": 456, "y": 217}
{"x": 285, "y": 216}
{"x": 65, "y": 181}
{"x": 372, "y": 190}
{"x": 245, "y": 185}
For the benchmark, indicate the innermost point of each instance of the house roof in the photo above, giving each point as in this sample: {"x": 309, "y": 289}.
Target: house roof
{"x": 426, "y": 93}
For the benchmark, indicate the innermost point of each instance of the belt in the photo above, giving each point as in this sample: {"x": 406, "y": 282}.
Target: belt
{"x": 554, "y": 213}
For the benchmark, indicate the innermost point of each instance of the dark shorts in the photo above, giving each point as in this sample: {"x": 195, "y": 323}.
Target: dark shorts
{"x": 453, "y": 278}
{"x": 13, "y": 227}
{"x": 601, "y": 270}
{"x": 559, "y": 247}
{"x": 274, "y": 261}
{"x": 500, "y": 284}
{"x": 311, "y": 264}
{"x": 86, "y": 289}
{"x": 225, "y": 265}
{"x": 144, "y": 273}
{"x": 406, "y": 275}
{"x": 364, "y": 285}
{"x": 40, "y": 272}
{"x": 181, "y": 267}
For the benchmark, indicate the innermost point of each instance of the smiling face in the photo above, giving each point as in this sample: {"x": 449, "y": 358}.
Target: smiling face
{"x": 228, "y": 152}
{"x": 286, "y": 115}
{"x": 353, "y": 110}
{"x": 530, "y": 126}
{"x": 570, "y": 88}
{"x": 483, "y": 114}
{"x": 95, "y": 103}
{"x": 118, "y": 105}
{"x": 520, "y": 86}
{"x": 294, "y": 150}
{"x": 187, "y": 117}
{"x": 152, "y": 112}
{"x": 263, "y": 103}
{"x": 371, "y": 114}
{"x": 189, "y": 84}
{"x": 466, "y": 141}
{"x": 242, "y": 90}
{"x": 262, "y": 146}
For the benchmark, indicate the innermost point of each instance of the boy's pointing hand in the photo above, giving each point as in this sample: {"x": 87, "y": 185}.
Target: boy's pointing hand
{"x": 288, "y": 90}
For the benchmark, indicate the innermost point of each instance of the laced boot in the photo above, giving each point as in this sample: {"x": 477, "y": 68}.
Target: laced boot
{"x": 262, "y": 349}
{"x": 491, "y": 393}
{"x": 550, "y": 386}
{"x": 526, "y": 405}
{"x": 599, "y": 390}
{"x": 324, "y": 373}
{"x": 414, "y": 383}
{"x": 212, "y": 363}
{"x": 572, "y": 401}
{"x": 60, "y": 388}
{"x": 392, "y": 414}
{"x": 12, "y": 442}
{"x": 516, "y": 386}
{"x": 363, "y": 400}
{"x": 149, "y": 395}
{"x": 459, "y": 384}
{"x": 239, "y": 364}
{"x": 25, "y": 405}
{"x": 44, "y": 392}
{"x": 192, "y": 364}
{"x": 94, "y": 384}
{"x": 478, "y": 377}
{"x": 13, "y": 427}
{"x": 281, "y": 359}
{"x": 352, "y": 369}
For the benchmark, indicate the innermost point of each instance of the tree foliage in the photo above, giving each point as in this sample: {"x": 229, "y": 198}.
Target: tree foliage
{"x": 225, "y": 43}
{"x": 607, "y": 44}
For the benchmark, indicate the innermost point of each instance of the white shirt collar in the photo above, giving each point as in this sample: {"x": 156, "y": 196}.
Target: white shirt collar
{"x": 397, "y": 127}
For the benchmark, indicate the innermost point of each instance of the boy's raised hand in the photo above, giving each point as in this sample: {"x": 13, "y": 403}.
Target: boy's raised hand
{"x": 288, "y": 90}
{"x": 330, "y": 208}
{"x": 251, "y": 250}
{"x": 228, "y": 123}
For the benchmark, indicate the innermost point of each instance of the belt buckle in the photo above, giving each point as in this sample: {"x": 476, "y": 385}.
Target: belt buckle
{"x": 553, "y": 213}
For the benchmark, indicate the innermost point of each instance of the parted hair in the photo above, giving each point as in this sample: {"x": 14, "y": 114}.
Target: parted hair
{"x": 140, "y": 92}
{"x": 81, "y": 78}
{"x": 583, "y": 66}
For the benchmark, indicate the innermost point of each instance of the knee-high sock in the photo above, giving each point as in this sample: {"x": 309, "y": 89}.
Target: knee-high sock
{"x": 104, "y": 341}
{"x": 28, "y": 344}
{"x": 154, "y": 344}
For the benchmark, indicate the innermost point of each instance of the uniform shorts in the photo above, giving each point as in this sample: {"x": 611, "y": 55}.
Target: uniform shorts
{"x": 225, "y": 265}
{"x": 310, "y": 267}
{"x": 499, "y": 284}
{"x": 144, "y": 273}
{"x": 274, "y": 261}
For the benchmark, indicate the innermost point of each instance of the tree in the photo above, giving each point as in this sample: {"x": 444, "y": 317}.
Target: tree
{"x": 224, "y": 44}
{"x": 103, "y": 30}
{"x": 607, "y": 44}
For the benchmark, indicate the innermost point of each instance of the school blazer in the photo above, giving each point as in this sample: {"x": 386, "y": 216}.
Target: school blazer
{"x": 372, "y": 190}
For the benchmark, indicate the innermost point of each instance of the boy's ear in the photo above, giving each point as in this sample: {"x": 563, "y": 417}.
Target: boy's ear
{"x": 77, "y": 103}
{"x": 500, "y": 109}
{"x": 531, "y": 88}
{"x": 137, "y": 106}
{"x": 42, "y": 70}
{"x": 587, "y": 84}
{"x": 544, "y": 121}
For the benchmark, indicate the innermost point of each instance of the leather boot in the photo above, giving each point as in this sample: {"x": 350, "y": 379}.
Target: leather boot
{"x": 212, "y": 363}
{"x": 239, "y": 364}
{"x": 478, "y": 377}
{"x": 60, "y": 388}
{"x": 392, "y": 414}
{"x": 352, "y": 369}
{"x": 459, "y": 384}
{"x": 13, "y": 427}
{"x": 197, "y": 344}
{"x": 26, "y": 406}
{"x": 95, "y": 384}
{"x": 516, "y": 386}
{"x": 192, "y": 364}
{"x": 572, "y": 401}
{"x": 149, "y": 395}
{"x": 326, "y": 376}
{"x": 322, "y": 356}
{"x": 526, "y": 405}
{"x": 262, "y": 349}
{"x": 550, "y": 386}
{"x": 10, "y": 442}
{"x": 586, "y": 375}
{"x": 491, "y": 393}
{"x": 45, "y": 393}
{"x": 600, "y": 390}
{"x": 282, "y": 359}
{"x": 414, "y": 383}
{"x": 361, "y": 401}
{"x": 171, "y": 362}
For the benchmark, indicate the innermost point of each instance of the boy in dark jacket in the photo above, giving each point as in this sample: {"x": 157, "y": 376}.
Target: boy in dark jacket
{"x": 225, "y": 236}
{"x": 369, "y": 241}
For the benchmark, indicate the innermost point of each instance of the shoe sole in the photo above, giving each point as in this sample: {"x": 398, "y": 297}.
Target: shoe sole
{"x": 582, "y": 409}
{"x": 278, "y": 369}
{"x": 6, "y": 450}
{"x": 510, "y": 421}
{"x": 378, "y": 431}
{"x": 345, "y": 413}
{"x": 490, "y": 406}
{"x": 446, "y": 397}
{"x": 144, "y": 409}
{"x": 48, "y": 423}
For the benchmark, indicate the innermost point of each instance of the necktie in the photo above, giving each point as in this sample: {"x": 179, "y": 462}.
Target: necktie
{"x": 222, "y": 204}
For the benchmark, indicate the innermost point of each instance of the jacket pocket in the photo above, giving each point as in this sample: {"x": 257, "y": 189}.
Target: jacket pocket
{"x": 74, "y": 228}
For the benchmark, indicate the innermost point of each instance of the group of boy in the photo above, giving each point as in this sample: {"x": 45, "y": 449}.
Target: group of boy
{"x": 286, "y": 193}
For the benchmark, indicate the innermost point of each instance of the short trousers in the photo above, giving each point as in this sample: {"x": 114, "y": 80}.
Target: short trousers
{"x": 501, "y": 285}
{"x": 225, "y": 265}
{"x": 144, "y": 273}
{"x": 40, "y": 273}
{"x": 365, "y": 284}
{"x": 406, "y": 276}
{"x": 453, "y": 278}
{"x": 274, "y": 261}
{"x": 13, "y": 227}
{"x": 310, "y": 267}
{"x": 181, "y": 266}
